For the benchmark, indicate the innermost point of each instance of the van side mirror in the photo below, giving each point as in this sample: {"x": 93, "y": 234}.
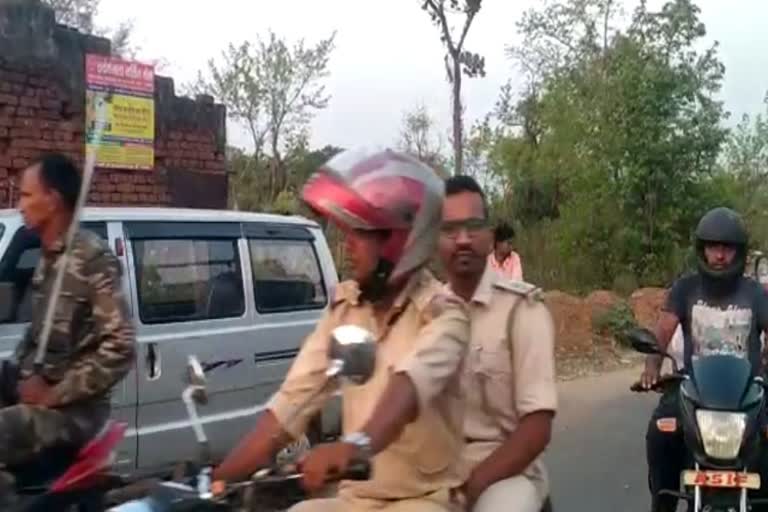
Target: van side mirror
{"x": 643, "y": 341}
{"x": 352, "y": 353}
{"x": 7, "y": 301}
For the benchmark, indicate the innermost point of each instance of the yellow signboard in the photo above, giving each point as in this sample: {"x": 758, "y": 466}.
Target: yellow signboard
{"x": 125, "y": 90}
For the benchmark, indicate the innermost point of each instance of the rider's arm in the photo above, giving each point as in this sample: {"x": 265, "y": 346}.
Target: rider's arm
{"x": 97, "y": 371}
{"x": 535, "y": 399}
{"x": 762, "y": 316}
{"x": 673, "y": 310}
{"x": 302, "y": 394}
{"x": 423, "y": 374}
{"x": 665, "y": 328}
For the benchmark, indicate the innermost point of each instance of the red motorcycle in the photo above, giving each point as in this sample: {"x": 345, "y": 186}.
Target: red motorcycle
{"x": 70, "y": 480}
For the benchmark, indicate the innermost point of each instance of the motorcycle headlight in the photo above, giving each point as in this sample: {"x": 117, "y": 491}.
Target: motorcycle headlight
{"x": 721, "y": 432}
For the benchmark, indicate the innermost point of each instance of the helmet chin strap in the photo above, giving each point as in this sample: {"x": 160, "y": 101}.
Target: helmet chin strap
{"x": 375, "y": 287}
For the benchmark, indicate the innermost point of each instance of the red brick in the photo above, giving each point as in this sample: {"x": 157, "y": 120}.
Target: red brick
{"x": 8, "y": 99}
{"x": 21, "y": 141}
{"x": 22, "y": 151}
{"x": 5, "y": 87}
{"x": 24, "y": 132}
{"x": 10, "y": 76}
{"x": 53, "y": 115}
{"x": 4, "y": 175}
{"x": 125, "y": 187}
{"x": 21, "y": 163}
{"x": 116, "y": 198}
{"x": 3, "y": 131}
{"x": 133, "y": 198}
{"x": 5, "y": 161}
{"x": 6, "y": 121}
{"x": 26, "y": 112}
{"x": 49, "y": 104}
{"x": 25, "y": 122}
{"x": 67, "y": 126}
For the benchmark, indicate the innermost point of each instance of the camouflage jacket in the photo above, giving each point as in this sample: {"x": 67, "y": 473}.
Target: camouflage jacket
{"x": 92, "y": 341}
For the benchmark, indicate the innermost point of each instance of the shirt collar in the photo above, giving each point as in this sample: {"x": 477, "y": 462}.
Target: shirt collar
{"x": 484, "y": 290}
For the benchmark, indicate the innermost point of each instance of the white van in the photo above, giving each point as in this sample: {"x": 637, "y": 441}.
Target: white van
{"x": 239, "y": 290}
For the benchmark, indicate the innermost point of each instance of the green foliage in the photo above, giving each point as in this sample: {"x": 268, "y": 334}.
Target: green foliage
{"x": 81, "y": 14}
{"x": 615, "y": 145}
{"x": 616, "y": 322}
{"x": 418, "y": 137}
{"x": 273, "y": 89}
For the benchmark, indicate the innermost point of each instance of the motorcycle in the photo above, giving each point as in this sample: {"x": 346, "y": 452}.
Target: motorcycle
{"x": 63, "y": 478}
{"x": 721, "y": 415}
{"x": 61, "y": 481}
{"x": 352, "y": 355}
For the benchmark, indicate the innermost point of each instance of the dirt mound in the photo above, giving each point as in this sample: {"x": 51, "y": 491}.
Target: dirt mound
{"x": 573, "y": 321}
{"x": 646, "y": 304}
{"x": 601, "y": 301}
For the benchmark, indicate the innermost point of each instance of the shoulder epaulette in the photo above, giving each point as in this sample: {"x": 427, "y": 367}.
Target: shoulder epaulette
{"x": 527, "y": 290}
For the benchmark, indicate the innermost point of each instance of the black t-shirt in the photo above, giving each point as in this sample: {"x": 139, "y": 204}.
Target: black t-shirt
{"x": 731, "y": 324}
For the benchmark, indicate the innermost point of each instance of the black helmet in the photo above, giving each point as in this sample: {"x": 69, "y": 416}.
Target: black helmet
{"x": 723, "y": 226}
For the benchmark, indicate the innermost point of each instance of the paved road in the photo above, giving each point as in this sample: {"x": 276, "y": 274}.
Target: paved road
{"x": 597, "y": 456}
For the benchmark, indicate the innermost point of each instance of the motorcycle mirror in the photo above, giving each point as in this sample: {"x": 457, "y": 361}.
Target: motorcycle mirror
{"x": 352, "y": 353}
{"x": 643, "y": 341}
{"x": 195, "y": 373}
{"x": 7, "y": 301}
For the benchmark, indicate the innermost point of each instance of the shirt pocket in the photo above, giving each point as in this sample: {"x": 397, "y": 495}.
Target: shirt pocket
{"x": 494, "y": 373}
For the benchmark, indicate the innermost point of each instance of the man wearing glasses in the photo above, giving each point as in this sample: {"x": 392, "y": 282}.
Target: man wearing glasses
{"x": 509, "y": 372}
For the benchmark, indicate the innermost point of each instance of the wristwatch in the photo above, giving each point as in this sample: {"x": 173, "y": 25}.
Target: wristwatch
{"x": 362, "y": 441}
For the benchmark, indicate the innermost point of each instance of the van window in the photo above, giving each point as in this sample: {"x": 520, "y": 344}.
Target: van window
{"x": 180, "y": 280}
{"x": 286, "y": 275}
{"x": 19, "y": 263}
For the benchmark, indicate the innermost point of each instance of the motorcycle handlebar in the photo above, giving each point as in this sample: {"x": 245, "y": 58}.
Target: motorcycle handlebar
{"x": 358, "y": 470}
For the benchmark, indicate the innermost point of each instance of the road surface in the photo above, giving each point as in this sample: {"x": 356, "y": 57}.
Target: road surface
{"x": 596, "y": 459}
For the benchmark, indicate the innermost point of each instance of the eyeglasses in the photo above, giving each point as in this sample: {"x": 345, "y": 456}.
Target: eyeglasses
{"x": 451, "y": 229}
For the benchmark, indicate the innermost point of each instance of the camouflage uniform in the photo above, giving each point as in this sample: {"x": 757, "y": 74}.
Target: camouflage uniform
{"x": 91, "y": 348}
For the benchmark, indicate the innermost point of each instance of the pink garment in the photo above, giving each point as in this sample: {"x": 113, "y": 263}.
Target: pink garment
{"x": 511, "y": 267}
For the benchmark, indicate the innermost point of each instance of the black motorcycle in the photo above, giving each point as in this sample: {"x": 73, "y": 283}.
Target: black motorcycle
{"x": 721, "y": 415}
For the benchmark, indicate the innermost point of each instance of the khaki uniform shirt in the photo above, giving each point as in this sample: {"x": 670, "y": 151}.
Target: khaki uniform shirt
{"x": 426, "y": 338}
{"x": 500, "y": 387}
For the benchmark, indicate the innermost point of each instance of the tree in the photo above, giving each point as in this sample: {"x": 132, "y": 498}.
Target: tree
{"x": 81, "y": 15}
{"x": 745, "y": 173}
{"x": 417, "y": 137}
{"x": 616, "y": 143}
{"x": 458, "y": 61}
{"x": 273, "y": 89}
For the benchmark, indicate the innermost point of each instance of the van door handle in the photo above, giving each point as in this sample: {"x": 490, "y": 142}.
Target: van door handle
{"x": 152, "y": 361}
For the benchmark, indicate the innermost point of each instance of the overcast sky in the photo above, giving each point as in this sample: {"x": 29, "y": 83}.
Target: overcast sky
{"x": 388, "y": 57}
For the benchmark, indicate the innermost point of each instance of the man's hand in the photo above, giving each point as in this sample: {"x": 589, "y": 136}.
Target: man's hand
{"x": 650, "y": 375}
{"x": 35, "y": 391}
{"x": 472, "y": 489}
{"x": 325, "y": 461}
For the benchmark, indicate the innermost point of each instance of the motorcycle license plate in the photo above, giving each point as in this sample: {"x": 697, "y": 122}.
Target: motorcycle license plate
{"x": 722, "y": 479}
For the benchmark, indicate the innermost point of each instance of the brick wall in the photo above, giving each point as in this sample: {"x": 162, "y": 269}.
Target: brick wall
{"x": 42, "y": 100}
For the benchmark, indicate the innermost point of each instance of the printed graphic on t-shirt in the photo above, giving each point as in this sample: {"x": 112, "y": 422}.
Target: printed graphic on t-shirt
{"x": 720, "y": 331}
